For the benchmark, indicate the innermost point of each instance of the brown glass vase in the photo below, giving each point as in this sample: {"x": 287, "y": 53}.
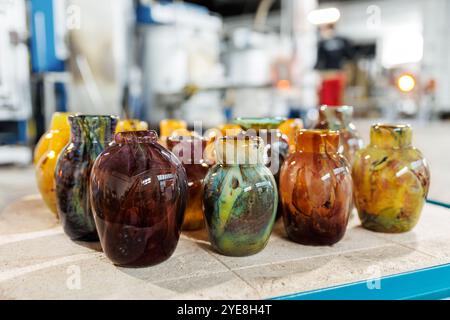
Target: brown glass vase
{"x": 138, "y": 196}
{"x": 316, "y": 189}
{"x": 191, "y": 151}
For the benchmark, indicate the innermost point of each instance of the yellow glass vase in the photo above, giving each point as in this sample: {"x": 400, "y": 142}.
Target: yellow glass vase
{"x": 46, "y": 155}
{"x": 391, "y": 180}
{"x": 128, "y": 125}
{"x": 167, "y": 128}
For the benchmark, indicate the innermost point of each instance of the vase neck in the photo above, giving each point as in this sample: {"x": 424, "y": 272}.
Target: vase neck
{"x": 317, "y": 141}
{"x": 241, "y": 150}
{"x": 136, "y": 137}
{"x": 92, "y": 129}
{"x": 335, "y": 118}
{"x": 168, "y": 126}
{"x": 387, "y": 136}
{"x": 60, "y": 121}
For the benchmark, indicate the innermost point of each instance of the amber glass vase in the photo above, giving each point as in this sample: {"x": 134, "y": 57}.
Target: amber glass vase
{"x": 131, "y": 125}
{"x": 138, "y": 194}
{"x": 191, "y": 152}
{"x": 89, "y": 136}
{"x": 46, "y": 154}
{"x": 289, "y": 128}
{"x": 391, "y": 180}
{"x": 341, "y": 119}
{"x": 240, "y": 197}
{"x": 316, "y": 189}
{"x": 168, "y": 126}
{"x": 59, "y": 130}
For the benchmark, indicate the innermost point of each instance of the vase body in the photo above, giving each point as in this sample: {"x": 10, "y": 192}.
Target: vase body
{"x": 138, "y": 196}
{"x": 340, "y": 119}
{"x": 391, "y": 180}
{"x": 316, "y": 189}
{"x": 240, "y": 197}
{"x": 89, "y": 136}
{"x": 131, "y": 125}
{"x": 191, "y": 152}
{"x": 289, "y": 128}
{"x": 53, "y": 142}
{"x": 277, "y": 146}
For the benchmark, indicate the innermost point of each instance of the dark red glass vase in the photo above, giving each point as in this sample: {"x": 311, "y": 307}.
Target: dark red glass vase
{"x": 138, "y": 195}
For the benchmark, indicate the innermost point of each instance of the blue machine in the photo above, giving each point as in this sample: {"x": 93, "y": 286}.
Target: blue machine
{"x": 44, "y": 40}
{"x": 48, "y": 54}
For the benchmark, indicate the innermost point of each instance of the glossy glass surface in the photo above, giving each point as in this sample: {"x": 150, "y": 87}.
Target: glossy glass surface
{"x": 289, "y": 128}
{"x": 316, "y": 189}
{"x": 138, "y": 194}
{"x": 391, "y": 180}
{"x": 277, "y": 147}
{"x": 340, "y": 119}
{"x": 131, "y": 125}
{"x": 191, "y": 151}
{"x": 46, "y": 154}
{"x": 59, "y": 129}
{"x": 89, "y": 137}
{"x": 240, "y": 198}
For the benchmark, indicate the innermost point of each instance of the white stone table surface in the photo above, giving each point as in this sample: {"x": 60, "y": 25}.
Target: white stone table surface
{"x": 38, "y": 261}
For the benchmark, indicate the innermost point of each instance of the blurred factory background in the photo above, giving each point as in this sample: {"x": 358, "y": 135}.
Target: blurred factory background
{"x": 214, "y": 60}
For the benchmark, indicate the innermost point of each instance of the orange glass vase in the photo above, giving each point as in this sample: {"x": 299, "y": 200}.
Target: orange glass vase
{"x": 191, "y": 151}
{"x": 316, "y": 189}
{"x": 289, "y": 128}
{"x": 46, "y": 154}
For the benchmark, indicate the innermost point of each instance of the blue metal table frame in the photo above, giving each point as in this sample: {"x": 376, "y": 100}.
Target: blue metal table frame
{"x": 424, "y": 284}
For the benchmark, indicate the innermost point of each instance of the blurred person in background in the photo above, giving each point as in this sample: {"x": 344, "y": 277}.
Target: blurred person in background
{"x": 333, "y": 51}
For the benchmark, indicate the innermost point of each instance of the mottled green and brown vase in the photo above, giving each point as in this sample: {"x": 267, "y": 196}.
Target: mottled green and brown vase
{"x": 391, "y": 180}
{"x": 240, "y": 197}
{"x": 89, "y": 137}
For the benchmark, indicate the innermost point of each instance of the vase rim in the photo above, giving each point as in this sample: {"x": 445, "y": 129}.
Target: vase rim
{"x": 92, "y": 116}
{"x": 404, "y": 126}
{"x": 180, "y": 138}
{"x": 259, "y": 122}
{"x": 139, "y": 136}
{"x": 322, "y": 132}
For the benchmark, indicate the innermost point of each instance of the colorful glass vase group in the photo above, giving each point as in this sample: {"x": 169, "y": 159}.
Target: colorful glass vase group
{"x": 118, "y": 183}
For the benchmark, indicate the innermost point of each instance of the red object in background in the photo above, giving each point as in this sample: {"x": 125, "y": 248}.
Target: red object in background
{"x": 332, "y": 91}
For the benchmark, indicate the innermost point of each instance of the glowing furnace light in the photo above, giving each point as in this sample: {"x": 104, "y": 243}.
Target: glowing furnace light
{"x": 406, "y": 83}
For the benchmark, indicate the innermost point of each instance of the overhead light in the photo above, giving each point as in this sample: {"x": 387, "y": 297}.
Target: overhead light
{"x": 324, "y": 16}
{"x": 406, "y": 83}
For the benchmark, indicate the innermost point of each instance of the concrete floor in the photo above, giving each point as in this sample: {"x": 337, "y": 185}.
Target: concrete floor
{"x": 38, "y": 261}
